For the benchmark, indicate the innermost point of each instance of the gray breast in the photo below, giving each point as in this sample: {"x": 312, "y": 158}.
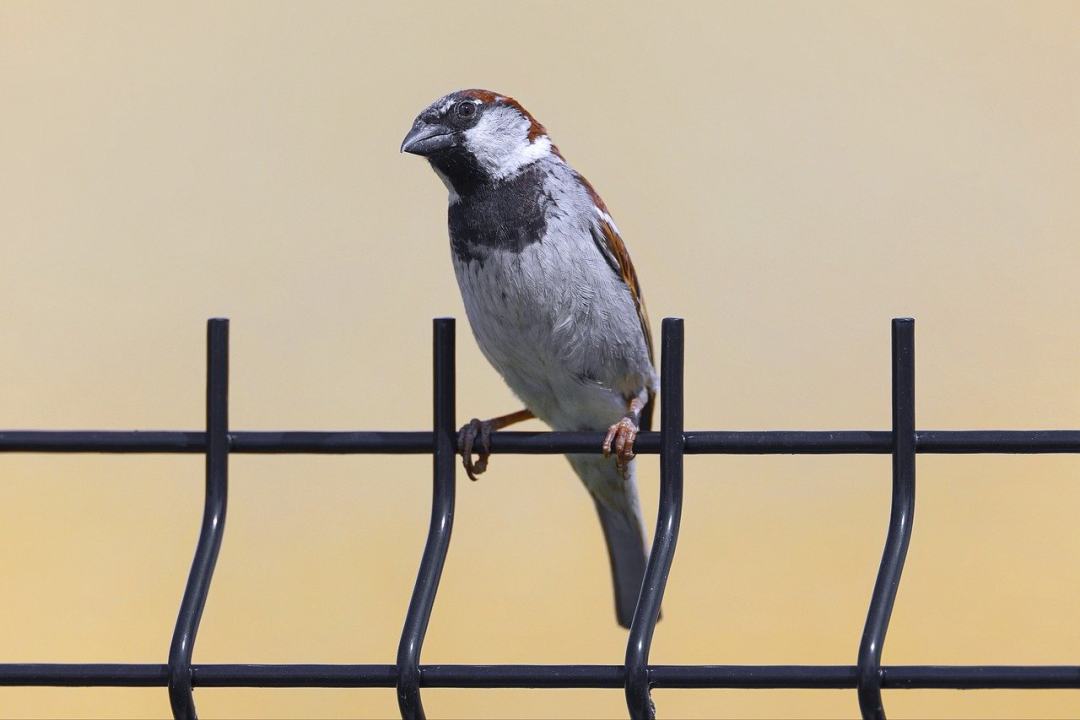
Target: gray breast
{"x": 545, "y": 306}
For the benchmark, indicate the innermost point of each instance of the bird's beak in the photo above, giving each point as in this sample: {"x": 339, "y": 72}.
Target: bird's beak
{"x": 426, "y": 138}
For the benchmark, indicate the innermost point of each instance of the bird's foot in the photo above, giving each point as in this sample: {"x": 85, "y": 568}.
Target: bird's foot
{"x": 620, "y": 438}
{"x": 468, "y": 435}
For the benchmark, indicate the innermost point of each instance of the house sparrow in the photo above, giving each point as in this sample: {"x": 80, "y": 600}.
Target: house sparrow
{"x": 552, "y": 298}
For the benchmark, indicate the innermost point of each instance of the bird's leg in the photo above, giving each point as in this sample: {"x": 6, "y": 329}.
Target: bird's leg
{"x": 622, "y": 434}
{"x": 482, "y": 429}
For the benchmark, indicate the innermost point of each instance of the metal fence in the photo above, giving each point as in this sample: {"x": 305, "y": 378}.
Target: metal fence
{"x": 634, "y": 674}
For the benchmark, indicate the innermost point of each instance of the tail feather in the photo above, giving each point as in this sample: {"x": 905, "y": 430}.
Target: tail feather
{"x": 628, "y": 557}
{"x": 615, "y": 496}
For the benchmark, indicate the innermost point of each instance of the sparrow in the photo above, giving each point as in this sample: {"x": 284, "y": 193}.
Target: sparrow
{"x": 553, "y": 301}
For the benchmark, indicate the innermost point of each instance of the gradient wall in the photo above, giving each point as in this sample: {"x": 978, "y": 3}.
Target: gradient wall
{"x": 788, "y": 177}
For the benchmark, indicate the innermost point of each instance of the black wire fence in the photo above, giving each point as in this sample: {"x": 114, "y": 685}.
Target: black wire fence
{"x": 634, "y": 674}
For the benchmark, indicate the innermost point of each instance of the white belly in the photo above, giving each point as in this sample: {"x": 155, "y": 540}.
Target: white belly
{"x": 563, "y": 334}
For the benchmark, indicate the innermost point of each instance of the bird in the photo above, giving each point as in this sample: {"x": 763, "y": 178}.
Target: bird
{"x": 553, "y": 301}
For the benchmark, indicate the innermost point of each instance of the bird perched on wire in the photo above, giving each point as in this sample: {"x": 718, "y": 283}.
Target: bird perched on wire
{"x": 552, "y": 298}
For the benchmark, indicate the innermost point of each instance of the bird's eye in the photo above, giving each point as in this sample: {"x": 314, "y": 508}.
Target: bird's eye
{"x": 465, "y": 109}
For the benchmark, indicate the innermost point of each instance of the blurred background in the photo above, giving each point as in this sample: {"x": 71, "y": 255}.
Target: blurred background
{"x": 788, "y": 177}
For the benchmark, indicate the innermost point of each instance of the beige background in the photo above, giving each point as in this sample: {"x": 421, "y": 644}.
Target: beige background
{"x": 788, "y": 177}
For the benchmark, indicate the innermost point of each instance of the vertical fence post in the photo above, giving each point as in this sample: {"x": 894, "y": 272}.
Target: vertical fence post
{"x": 672, "y": 441}
{"x": 442, "y": 522}
{"x": 213, "y": 522}
{"x": 900, "y": 520}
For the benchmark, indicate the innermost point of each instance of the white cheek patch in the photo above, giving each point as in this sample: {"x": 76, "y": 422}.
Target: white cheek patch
{"x": 535, "y": 150}
{"x": 500, "y": 142}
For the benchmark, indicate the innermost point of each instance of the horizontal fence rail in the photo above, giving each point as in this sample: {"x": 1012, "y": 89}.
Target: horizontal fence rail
{"x": 696, "y": 442}
{"x": 813, "y": 677}
{"x": 635, "y": 675}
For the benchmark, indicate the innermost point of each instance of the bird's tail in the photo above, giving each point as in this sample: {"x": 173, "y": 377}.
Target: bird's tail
{"x": 616, "y": 497}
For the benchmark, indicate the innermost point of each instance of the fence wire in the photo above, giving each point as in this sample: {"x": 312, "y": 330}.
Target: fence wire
{"x": 635, "y": 675}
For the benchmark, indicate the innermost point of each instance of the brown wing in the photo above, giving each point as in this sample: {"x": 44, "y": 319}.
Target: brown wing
{"x": 614, "y": 251}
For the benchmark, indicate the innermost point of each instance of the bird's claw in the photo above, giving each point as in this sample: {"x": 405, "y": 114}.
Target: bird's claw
{"x": 620, "y": 439}
{"x": 467, "y": 438}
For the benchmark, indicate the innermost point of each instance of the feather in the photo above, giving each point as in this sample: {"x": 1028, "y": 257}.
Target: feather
{"x": 611, "y": 246}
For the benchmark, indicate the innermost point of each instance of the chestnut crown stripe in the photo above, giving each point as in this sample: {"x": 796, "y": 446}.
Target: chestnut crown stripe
{"x": 536, "y": 130}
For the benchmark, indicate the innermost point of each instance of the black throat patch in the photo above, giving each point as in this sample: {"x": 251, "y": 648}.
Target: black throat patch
{"x": 501, "y": 215}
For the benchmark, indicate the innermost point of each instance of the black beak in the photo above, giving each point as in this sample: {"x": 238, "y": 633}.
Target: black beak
{"x": 426, "y": 138}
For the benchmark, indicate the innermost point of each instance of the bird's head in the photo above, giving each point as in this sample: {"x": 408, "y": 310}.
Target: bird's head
{"x": 472, "y": 137}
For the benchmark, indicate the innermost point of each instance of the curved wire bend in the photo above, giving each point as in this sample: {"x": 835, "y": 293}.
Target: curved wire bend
{"x": 442, "y": 522}
{"x": 672, "y": 444}
{"x": 900, "y": 520}
{"x": 213, "y": 522}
